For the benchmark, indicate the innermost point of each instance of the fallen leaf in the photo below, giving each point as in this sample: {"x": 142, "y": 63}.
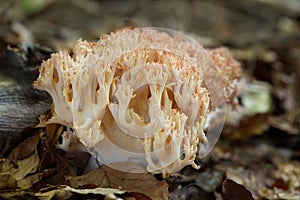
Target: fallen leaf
{"x": 234, "y": 191}
{"x": 25, "y": 167}
{"x": 62, "y": 192}
{"x": 24, "y": 149}
{"x": 53, "y": 132}
{"x": 57, "y": 192}
{"x": 105, "y": 177}
{"x": 28, "y": 181}
{"x": 14, "y": 170}
{"x": 7, "y": 181}
{"x": 98, "y": 190}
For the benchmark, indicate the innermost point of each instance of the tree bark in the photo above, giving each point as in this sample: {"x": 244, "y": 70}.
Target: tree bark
{"x": 20, "y": 104}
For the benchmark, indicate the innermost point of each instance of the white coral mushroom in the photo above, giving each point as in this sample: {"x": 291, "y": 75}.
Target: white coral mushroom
{"x": 135, "y": 95}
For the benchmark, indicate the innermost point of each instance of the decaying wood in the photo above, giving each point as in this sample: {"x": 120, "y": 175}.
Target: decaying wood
{"x": 18, "y": 111}
{"x": 20, "y": 104}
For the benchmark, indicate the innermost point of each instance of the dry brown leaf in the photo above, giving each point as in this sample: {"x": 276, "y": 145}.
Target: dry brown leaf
{"x": 25, "y": 167}
{"x": 28, "y": 181}
{"x": 98, "y": 190}
{"x": 52, "y": 193}
{"x": 14, "y": 170}
{"x": 25, "y": 149}
{"x": 105, "y": 177}
{"x": 62, "y": 192}
{"x": 58, "y": 193}
{"x": 235, "y": 191}
{"x": 54, "y": 131}
{"x": 7, "y": 181}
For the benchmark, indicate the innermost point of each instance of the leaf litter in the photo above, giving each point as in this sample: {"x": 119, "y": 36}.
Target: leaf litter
{"x": 260, "y": 155}
{"x": 49, "y": 173}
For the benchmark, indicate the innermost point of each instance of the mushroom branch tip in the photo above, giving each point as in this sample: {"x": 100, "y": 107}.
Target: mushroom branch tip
{"x": 137, "y": 95}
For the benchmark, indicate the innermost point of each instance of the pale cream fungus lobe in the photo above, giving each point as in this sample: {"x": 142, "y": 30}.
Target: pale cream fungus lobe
{"x": 133, "y": 96}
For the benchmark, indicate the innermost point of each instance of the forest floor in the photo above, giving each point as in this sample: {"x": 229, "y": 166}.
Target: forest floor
{"x": 256, "y": 158}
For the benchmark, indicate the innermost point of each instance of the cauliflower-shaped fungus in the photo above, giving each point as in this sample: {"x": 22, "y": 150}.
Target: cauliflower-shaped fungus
{"x": 137, "y": 95}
